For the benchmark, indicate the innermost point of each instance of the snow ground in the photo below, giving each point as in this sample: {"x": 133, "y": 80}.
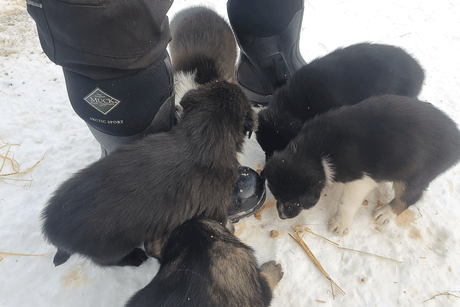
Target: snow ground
{"x": 37, "y": 122}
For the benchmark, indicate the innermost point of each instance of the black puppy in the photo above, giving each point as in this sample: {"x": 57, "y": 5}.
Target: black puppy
{"x": 144, "y": 190}
{"x": 203, "y": 49}
{"x": 383, "y": 138}
{"x": 204, "y": 265}
{"x": 343, "y": 77}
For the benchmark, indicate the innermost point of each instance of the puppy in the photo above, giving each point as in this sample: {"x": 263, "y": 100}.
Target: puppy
{"x": 203, "y": 49}
{"x": 204, "y": 265}
{"x": 343, "y": 77}
{"x": 384, "y": 138}
{"x": 144, "y": 190}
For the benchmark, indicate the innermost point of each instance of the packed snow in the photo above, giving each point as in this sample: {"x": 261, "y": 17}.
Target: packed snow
{"x": 43, "y": 142}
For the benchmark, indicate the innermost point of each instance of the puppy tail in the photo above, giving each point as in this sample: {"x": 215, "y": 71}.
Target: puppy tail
{"x": 61, "y": 257}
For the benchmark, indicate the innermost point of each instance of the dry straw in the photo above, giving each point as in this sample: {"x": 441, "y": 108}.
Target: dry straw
{"x": 20, "y": 255}
{"x": 298, "y": 231}
{"x": 299, "y": 241}
{"x": 308, "y": 230}
{"x": 15, "y": 174}
{"x": 442, "y": 294}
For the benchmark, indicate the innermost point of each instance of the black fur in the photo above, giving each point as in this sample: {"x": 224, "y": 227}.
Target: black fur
{"x": 203, "y": 42}
{"x": 144, "y": 190}
{"x": 343, "y": 77}
{"x": 204, "y": 265}
{"x": 388, "y": 138}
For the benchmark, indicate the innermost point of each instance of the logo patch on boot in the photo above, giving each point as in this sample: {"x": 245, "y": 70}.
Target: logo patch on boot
{"x": 101, "y": 101}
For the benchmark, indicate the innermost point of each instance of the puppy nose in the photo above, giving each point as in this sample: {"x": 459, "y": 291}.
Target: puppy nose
{"x": 280, "y": 213}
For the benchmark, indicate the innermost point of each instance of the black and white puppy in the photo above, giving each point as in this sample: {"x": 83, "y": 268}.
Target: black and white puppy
{"x": 383, "y": 138}
{"x": 203, "y": 49}
{"x": 346, "y": 76}
{"x": 204, "y": 265}
{"x": 144, "y": 190}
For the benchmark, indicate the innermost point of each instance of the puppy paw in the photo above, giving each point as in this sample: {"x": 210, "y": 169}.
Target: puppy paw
{"x": 134, "y": 258}
{"x": 154, "y": 248}
{"x": 273, "y": 272}
{"x": 384, "y": 214}
{"x": 340, "y": 225}
{"x": 60, "y": 257}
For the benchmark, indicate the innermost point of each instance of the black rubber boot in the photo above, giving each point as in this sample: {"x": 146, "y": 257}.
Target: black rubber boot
{"x": 121, "y": 110}
{"x": 248, "y": 195}
{"x": 266, "y": 62}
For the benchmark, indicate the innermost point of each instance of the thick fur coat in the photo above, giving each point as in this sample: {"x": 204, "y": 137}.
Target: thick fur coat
{"x": 384, "y": 138}
{"x": 147, "y": 188}
{"x": 204, "y": 265}
{"x": 346, "y": 76}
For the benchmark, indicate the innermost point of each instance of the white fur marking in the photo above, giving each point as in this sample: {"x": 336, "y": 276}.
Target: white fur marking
{"x": 328, "y": 170}
{"x": 183, "y": 82}
{"x": 351, "y": 200}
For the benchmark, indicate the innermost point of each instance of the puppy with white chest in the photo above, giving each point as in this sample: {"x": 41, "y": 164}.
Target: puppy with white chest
{"x": 345, "y": 76}
{"x": 385, "y": 138}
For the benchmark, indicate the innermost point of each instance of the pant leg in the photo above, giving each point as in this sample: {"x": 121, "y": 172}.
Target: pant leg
{"x": 102, "y": 39}
{"x": 113, "y": 54}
